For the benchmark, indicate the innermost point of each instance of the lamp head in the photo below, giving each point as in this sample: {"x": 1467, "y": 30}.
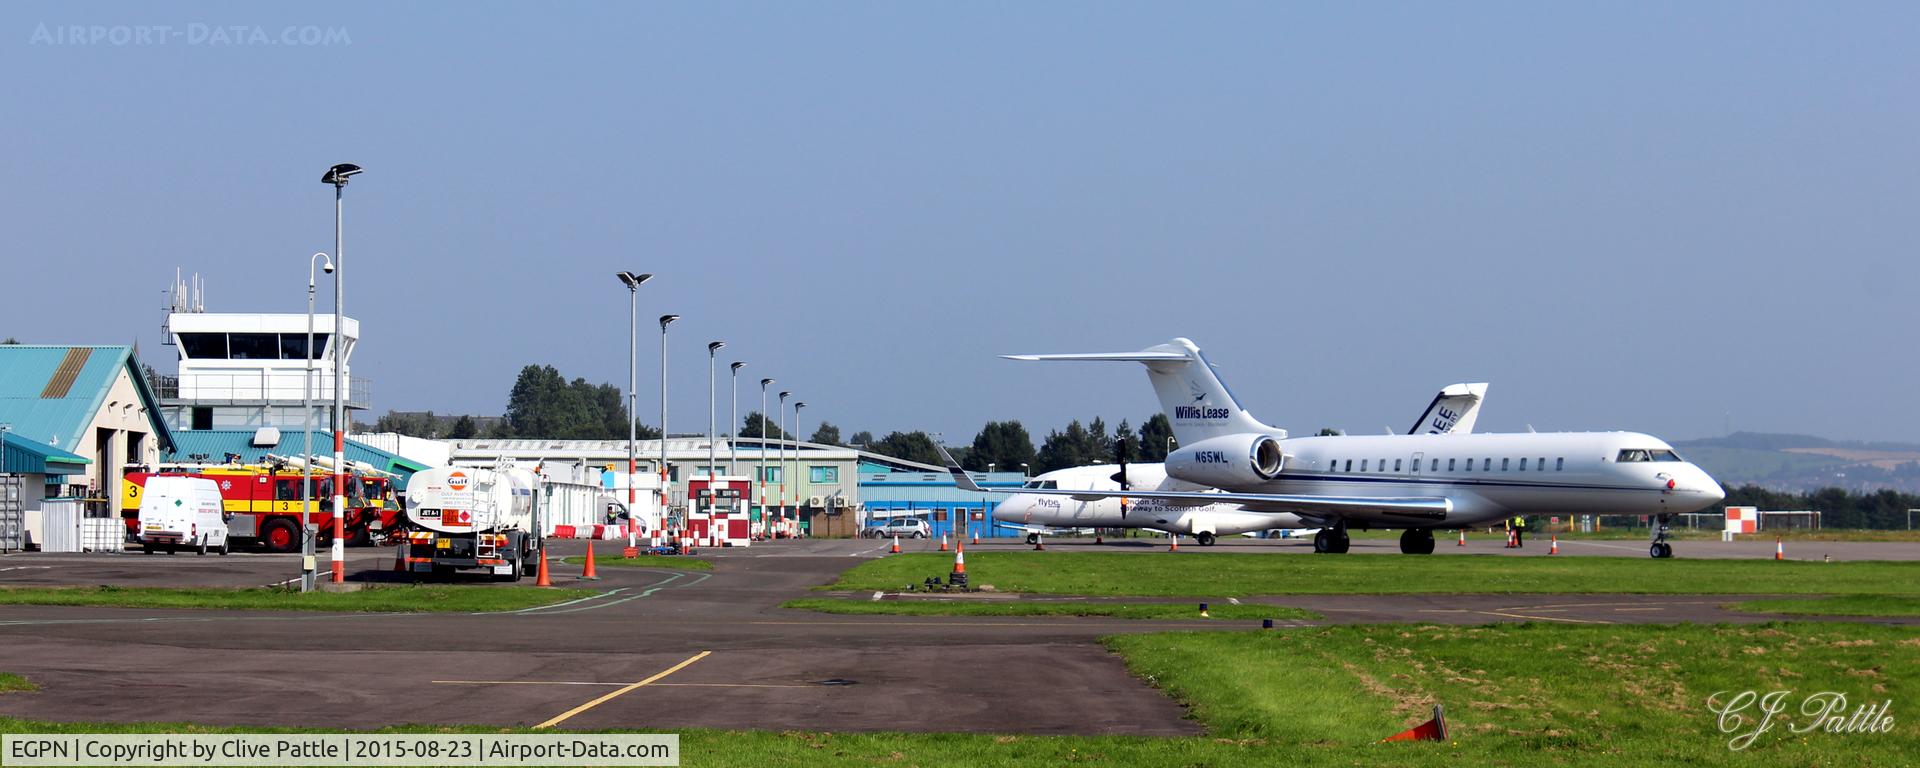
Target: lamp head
{"x": 765, "y": 382}
{"x": 784, "y": 395}
{"x": 339, "y": 174}
{"x": 666, "y": 320}
{"x": 737, "y": 366}
{"x": 634, "y": 281}
{"x": 714, "y": 346}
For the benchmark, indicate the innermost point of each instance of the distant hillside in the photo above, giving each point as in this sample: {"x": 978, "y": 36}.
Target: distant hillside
{"x": 1805, "y": 463}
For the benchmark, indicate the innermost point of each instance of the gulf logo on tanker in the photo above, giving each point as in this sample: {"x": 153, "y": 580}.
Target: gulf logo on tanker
{"x": 457, "y": 481}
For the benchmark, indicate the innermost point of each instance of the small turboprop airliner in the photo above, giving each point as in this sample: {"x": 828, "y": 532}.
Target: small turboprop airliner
{"x": 1453, "y": 410}
{"x": 1415, "y": 482}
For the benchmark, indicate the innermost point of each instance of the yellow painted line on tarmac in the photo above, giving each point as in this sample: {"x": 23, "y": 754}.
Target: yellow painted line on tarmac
{"x": 616, "y": 694}
{"x": 1543, "y": 618}
{"x": 609, "y": 685}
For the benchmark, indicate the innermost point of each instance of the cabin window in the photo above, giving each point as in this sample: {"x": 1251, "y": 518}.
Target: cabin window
{"x": 1540, "y": 464}
{"x": 1559, "y": 463}
{"x": 1435, "y": 467}
{"x": 1523, "y": 465}
{"x": 1450, "y": 464}
{"x": 1333, "y": 466}
{"x": 1666, "y": 456}
{"x": 1349, "y": 465}
{"x": 1504, "y": 463}
{"x": 1363, "y": 465}
{"x": 1486, "y": 465}
{"x": 1469, "y": 465}
{"x": 1396, "y": 465}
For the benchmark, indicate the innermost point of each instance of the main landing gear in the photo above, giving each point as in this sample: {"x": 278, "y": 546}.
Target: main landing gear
{"x": 1332, "y": 541}
{"x": 1416, "y": 541}
{"x": 1205, "y": 538}
{"x": 1660, "y": 549}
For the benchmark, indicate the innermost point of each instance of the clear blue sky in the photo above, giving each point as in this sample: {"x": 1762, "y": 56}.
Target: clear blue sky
{"x": 1625, "y": 216}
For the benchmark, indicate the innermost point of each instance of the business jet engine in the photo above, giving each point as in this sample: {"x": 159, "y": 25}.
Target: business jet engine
{"x": 1228, "y": 461}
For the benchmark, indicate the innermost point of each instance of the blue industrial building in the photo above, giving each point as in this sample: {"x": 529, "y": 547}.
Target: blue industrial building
{"x": 933, "y": 497}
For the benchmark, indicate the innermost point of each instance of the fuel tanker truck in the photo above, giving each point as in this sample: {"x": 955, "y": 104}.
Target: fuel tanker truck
{"x": 466, "y": 518}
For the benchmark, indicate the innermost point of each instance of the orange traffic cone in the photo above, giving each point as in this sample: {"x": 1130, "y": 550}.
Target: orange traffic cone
{"x": 1779, "y": 549}
{"x": 896, "y": 546}
{"x": 1431, "y": 730}
{"x": 1175, "y": 546}
{"x": 959, "y": 559}
{"x": 588, "y": 573}
{"x": 1553, "y": 547}
{"x": 399, "y": 561}
{"x": 976, "y": 538}
{"x": 543, "y": 580}
{"x": 943, "y": 542}
{"x": 1039, "y": 542}
{"x": 1463, "y": 538}
{"x": 1097, "y": 539}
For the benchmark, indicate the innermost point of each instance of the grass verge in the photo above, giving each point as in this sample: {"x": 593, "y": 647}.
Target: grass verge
{"x": 1842, "y": 605}
{"x": 673, "y": 562}
{"x": 380, "y": 599}
{"x": 1198, "y": 574}
{"x": 1516, "y": 695}
{"x": 12, "y": 683}
{"x": 919, "y": 607}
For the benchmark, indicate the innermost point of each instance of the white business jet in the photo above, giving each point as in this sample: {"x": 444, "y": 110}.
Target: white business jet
{"x": 1453, "y": 410}
{"x": 1414, "y": 482}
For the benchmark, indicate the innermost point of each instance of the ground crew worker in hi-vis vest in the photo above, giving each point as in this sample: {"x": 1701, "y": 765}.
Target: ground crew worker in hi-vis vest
{"x": 1519, "y": 531}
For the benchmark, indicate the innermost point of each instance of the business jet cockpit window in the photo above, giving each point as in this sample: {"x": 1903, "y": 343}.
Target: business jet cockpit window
{"x": 1645, "y": 454}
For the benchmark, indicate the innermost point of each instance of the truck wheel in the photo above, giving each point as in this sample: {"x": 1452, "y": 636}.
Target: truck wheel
{"x": 146, "y": 548}
{"x": 360, "y": 537}
{"x": 225, "y": 547}
{"x": 280, "y": 536}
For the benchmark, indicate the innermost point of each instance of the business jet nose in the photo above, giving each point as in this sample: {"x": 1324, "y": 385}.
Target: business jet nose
{"x": 1013, "y": 509}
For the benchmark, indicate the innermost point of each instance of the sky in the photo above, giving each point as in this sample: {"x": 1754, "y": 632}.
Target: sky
{"x": 1670, "y": 218}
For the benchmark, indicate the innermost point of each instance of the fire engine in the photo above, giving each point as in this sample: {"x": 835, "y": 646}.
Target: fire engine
{"x": 263, "y": 499}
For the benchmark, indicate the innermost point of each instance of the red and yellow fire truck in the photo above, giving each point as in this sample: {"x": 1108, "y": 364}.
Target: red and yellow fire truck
{"x": 263, "y": 500}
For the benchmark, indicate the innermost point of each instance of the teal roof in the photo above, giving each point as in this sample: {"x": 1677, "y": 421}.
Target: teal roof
{"x": 22, "y": 456}
{"x": 215, "y": 444}
{"x": 42, "y": 404}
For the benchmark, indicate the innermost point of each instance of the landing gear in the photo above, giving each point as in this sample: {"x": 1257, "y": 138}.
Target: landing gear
{"x": 1205, "y": 539}
{"x": 1332, "y": 541}
{"x": 1660, "y": 549}
{"x": 1416, "y": 541}
{"x": 1032, "y": 539}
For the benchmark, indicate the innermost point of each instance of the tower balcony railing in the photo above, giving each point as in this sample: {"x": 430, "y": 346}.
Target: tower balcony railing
{"x": 256, "y": 388}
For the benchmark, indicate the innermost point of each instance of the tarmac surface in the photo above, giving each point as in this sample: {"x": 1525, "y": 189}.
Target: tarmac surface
{"x": 655, "y": 649}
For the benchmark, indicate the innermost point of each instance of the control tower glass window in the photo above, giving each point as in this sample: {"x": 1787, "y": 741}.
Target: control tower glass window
{"x": 204, "y": 346}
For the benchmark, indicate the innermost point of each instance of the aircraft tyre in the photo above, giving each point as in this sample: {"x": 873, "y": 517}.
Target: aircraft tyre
{"x": 1328, "y": 542}
{"x": 1416, "y": 541}
{"x": 1032, "y": 539}
{"x": 1205, "y": 539}
{"x": 1660, "y": 550}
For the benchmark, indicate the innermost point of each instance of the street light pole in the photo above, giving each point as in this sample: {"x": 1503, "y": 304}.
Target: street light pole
{"x": 633, "y": 282}
{"x": 763, "y": 457}
{"x": 665, "y": 320}
{"x": 733, "y": 417}
{"x": 713, "y": 347}
{"x": 338, "y": 176}
{"x": 306, "y": 412}
{"x": 797, "y": 405}
{"x": 781, "y": 419}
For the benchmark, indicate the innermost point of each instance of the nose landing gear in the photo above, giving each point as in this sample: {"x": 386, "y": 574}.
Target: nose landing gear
{"x": 1660, "y": 549}
{"x": 1205, "y": 538}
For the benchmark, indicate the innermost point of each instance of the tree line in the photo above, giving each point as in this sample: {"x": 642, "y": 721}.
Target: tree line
{"x": 1838, "y": 507}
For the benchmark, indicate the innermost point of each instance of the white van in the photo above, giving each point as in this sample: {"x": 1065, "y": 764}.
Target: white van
{"x": 182, "y": 512}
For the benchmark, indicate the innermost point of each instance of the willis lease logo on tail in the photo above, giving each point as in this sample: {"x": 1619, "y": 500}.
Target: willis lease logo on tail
{"x": 1199, "y": 410}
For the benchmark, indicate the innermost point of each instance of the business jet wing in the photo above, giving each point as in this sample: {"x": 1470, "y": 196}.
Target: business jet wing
{"x": 1436, "y": 507}
{"x": 1453, "y": 410}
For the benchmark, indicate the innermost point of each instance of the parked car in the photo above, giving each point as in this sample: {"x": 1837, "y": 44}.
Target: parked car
{"x": 903, "y": 527}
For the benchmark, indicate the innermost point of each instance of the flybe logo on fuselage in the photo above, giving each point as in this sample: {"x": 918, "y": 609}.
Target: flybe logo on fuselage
{"x": 1189, "y": 412}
